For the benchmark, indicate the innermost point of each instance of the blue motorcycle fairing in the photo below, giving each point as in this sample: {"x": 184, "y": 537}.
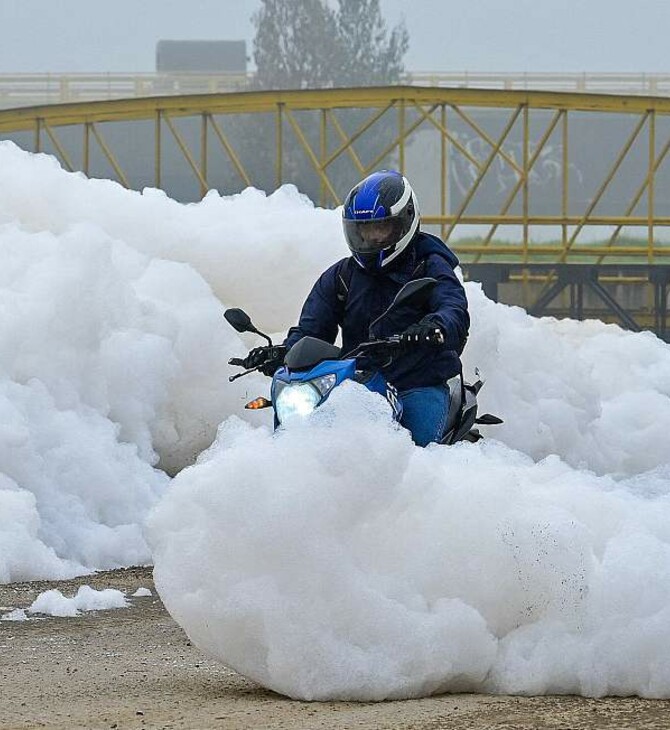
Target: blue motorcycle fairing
{"x": 343, "y": 370}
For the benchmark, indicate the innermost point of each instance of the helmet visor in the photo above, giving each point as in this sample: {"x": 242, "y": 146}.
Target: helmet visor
{"x": 372, "y": 236}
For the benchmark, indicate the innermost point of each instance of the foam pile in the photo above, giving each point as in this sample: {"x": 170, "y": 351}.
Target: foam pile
{"x": 113, "y": 352}
{"x": 337, "y": 561}
{"x": 333, "y": 559}
{"x": 54, "y": 603}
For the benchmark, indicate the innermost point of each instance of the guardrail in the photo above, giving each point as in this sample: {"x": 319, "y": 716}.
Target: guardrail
{"x": 657, "y": 84}
{"x": 18, "y": 90}
{"x": 29, "y": 89}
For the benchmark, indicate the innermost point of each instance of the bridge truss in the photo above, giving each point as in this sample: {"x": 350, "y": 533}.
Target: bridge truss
{"x": 563, "y": 196}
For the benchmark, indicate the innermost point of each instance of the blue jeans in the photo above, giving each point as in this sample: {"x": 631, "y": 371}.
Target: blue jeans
{"x": 425, "y": 412}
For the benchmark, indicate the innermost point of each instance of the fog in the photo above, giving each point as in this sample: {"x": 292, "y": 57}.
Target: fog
{"x": 483, "y": 35}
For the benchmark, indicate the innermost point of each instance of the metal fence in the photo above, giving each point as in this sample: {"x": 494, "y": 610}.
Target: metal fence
{"x": 29, "y": 89}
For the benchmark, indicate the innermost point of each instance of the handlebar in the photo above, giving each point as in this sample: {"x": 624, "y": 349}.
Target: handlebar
{"x": 386, "y": 349}
{"x": 273, "y": 352}
{"x": 391, "y": 346}
{"x": 240, "y": 363}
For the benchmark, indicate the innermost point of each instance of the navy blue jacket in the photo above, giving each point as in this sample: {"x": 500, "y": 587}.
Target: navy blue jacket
{"x": 371, "y": 294}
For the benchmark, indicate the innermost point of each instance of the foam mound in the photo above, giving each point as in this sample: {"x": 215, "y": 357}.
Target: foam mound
{"x": 332, "y": 559}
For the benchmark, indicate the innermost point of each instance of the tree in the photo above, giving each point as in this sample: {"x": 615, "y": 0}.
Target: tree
{"x": 302, "y": 44}
{"x": 369, "y": 55}
{"x": 296, "y": 44}
{"x": 307, "y": 44}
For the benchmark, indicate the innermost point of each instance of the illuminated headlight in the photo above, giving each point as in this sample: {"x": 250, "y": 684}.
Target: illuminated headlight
{"x": 301, "y": 398}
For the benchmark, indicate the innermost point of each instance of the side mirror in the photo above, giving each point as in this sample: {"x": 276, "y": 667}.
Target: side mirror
{"x": 415, "y": 292}
{"x": 238, "y": 319}
{"x": 241, "y": 321}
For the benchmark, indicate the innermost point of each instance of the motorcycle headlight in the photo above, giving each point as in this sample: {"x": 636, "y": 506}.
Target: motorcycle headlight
{"x": 299, "y": 399}
{"x": 302, "y": 398}
{"x": 325, "y": 383}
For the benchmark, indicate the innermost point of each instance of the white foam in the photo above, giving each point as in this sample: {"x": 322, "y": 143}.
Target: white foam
{"x": 592, "y": 393}
{"x": 142, "y": 593}
{"x": 54, "y": 603}
{"x": 18, "y": 614}
{"x": 335, "y": 559}
{"x": 112, "y": 360}
{"x": 253, "y": 249}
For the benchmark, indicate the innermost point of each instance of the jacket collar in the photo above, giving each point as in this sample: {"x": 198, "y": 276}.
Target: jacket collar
{"x": 402, "y": 269}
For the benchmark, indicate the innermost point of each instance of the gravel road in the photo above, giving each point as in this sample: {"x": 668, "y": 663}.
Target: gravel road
{"x": 135, "y": 668}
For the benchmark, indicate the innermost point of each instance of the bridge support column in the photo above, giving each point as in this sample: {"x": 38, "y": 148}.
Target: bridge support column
{"x": 490, "y": 276}
{"x": 578, "y": 279}
{"x": 660, "y": 278}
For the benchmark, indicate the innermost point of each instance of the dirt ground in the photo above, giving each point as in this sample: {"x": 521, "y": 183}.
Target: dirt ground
{"x": 135, "y": 668}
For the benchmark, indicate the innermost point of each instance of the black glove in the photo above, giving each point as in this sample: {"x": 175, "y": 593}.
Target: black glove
{"x": 267, "y": 359}
{"x": 424, "y": 332}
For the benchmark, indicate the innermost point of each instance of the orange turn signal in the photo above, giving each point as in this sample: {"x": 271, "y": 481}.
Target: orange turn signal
{"x": 257, "y": 403}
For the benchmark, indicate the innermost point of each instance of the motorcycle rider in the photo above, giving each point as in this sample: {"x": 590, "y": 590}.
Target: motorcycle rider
{"x": 381, "y": 226}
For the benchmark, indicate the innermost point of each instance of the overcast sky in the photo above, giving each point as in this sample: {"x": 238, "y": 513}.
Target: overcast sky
{"x": 475, "y": 35}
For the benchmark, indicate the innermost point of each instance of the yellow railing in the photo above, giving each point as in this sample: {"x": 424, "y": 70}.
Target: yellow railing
{"x": 29, "y": 89}
{"x": 646, "y": 84}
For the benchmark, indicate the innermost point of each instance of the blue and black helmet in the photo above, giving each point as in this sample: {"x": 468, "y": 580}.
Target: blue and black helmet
{"x": 380, "y": 217}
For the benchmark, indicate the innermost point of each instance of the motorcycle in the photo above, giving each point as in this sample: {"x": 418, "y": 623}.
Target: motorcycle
{"x": 313, "y": 368}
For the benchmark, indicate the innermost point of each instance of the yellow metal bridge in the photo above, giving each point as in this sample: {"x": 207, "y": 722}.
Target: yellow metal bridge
{"x": 567, "y": 192}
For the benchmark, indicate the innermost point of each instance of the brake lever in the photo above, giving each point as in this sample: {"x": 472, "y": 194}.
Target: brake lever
{"x": 240, "y": 375}
{"x": 377, "y": 349}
